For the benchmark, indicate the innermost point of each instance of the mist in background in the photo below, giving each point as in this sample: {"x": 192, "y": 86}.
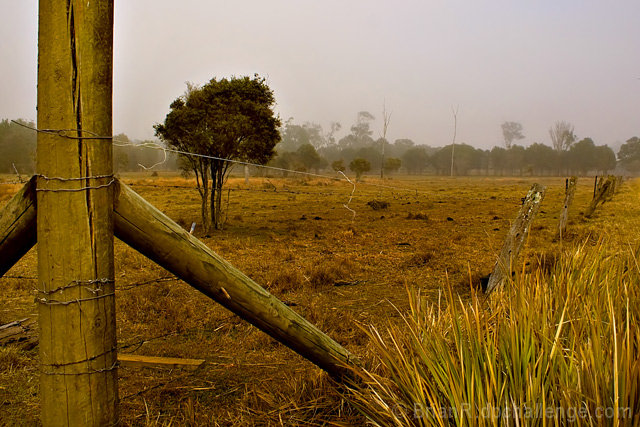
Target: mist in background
{"x": 530, "y": 62}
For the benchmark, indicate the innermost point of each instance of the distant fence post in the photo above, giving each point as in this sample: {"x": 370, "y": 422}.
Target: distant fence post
{"x": 516, "y": 237}
{"x": 604, "y": 192}
{"x": 569, "y": 192}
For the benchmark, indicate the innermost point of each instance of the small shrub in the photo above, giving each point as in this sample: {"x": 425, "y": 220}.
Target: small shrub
{"x": 287, "y": 280}
{"x": 325, "y": 275}
{"x": 328, "y": 273}
{"x": 377, "y": 205}
{"x": 419, "y": 215}
{"x": 420, "y": 259}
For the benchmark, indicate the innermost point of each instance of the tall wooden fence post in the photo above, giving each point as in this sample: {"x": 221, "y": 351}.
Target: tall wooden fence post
{"x": 515, "y": 239}
{"x": 78, "y": 380}
{"x": 569, "y": 192}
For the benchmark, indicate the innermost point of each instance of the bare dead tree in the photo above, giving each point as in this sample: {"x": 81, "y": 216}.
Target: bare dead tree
{"x": 455, "y": 130}
{"x": 562, "y": 135}
{"x": 511, "y": 131}
{"x": 386, "y": 119}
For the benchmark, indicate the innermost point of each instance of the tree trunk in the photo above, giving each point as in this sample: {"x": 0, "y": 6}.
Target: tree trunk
{"x": 206, "y": 222}
{"x": 202, "y": 179}
{"x": 218, "y": 169}
{"x": 214, "y": 194}
{"x": 220, "y": 180}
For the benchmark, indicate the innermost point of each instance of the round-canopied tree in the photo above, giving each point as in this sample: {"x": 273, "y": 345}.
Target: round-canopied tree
{"x": 629, "y": 155}
{"x": 360, "y": 166}
{"x": 338, "y": 166}
{"x": 226, "y": 119}
{"x": 392, "y": 164}
{"x": 415, "y": 159}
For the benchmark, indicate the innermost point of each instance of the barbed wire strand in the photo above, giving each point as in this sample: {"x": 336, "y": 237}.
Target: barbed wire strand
{"x": 156, "y": 146}
{"x": 153, "y": 145}
{"x": 353, "y": 190}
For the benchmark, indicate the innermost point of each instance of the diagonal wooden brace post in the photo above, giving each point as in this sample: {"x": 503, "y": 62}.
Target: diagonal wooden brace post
{"x": 18, "y": 226}
{"x": 149, "y": 231}
{"x": 516, "y": 237}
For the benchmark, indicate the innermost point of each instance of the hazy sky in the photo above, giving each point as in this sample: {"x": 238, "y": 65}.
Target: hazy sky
{"x": 534, "y": 62}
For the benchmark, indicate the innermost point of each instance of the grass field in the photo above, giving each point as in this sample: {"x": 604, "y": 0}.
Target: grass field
{"x": 297, "y": 239}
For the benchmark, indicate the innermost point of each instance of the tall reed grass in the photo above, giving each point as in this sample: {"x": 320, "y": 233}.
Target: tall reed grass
{"x": 558, "y": 345}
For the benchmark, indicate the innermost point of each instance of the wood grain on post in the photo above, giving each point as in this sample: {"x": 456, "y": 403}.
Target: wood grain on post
{"x": 570, "y": 191}
{"x": 18, "y": 226}
{"x": 76, "y": 301}
{"x": 516, "y": 237}
{"x": 149, "y": 231}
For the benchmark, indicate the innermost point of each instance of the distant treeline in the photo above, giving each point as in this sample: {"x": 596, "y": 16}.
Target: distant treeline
{"x": 18, "y": 147}
{"x": 139, "y": 155}
{"x": 307, "y": 147}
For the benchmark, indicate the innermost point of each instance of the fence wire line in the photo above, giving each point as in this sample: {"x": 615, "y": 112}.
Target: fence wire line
{"x": 346, "y": 206}
{"x": 152, "y": 145}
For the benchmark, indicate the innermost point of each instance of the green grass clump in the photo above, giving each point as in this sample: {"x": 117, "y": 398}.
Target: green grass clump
{"x": 558, "y": 345}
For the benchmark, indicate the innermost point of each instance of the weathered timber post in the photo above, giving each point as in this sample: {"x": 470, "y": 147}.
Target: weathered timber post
{"x": 619, "y": 181}
{"x": 603, "y": 193}
{"x": 613, "y": 188}
{"x": 78, "y": 380}
{"x": 516, "y": 237}
{"x": 150, "y": 232}
{"x": 569, "y": 192}
{"x": 18, "y": 226}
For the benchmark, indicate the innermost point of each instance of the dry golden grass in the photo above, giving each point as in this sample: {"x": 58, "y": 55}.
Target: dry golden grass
{"x": 295, "y": 237}
{"x": 560, "y": 344}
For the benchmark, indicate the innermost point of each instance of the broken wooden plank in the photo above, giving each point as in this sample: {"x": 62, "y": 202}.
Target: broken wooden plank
{"x": 22, "y": 333}
{"x": 139, "y": 361}
{"x": 569, "y": 192}
{"x": 18, "y": 226}
{"x": 152, "y": 233}
{"x": 12, "y": 324}
{"x": 516, "y": 237}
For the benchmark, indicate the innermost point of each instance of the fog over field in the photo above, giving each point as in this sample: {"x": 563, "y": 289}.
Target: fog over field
{"x": 530, "y": 62}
